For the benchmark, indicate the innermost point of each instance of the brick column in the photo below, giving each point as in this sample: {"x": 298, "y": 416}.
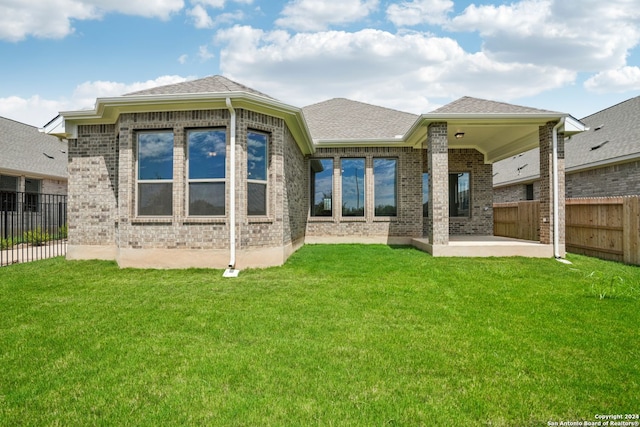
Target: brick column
{"x": 546, "y": 186}
{"x": 438, "y": 160}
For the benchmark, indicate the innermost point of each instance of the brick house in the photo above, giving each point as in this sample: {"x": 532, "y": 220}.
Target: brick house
{"x": 601, "y": 162}
{"x": 211, "y": 173}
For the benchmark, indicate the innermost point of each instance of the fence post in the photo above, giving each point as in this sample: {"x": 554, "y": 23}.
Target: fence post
{"x": 631, "y": 229}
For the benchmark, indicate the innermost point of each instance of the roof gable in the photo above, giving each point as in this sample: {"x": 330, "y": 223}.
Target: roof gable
{"x": 470, "y": 105}
{"x": 211, "y": 84}
{"x": 345, "y": 119}
{"x": 27, "y": 150}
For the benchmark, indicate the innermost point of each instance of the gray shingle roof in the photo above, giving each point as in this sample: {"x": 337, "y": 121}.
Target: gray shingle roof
{"x": 613, "y": 135}
{"x": 344, "y": 119}
{"x": 211, "y": 84}
{"x": 26, "y": 150}
{"x": 469, "y": 105}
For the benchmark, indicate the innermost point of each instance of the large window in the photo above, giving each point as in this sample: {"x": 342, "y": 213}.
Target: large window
{"x": 321, "y": 187}
{"x": 353, "y": 186}
{"x": 459, "y": 194}
{"x": 155, "y": 173}
{"x": 257, "y": 166}
{"x": 32, "y": 194}
{"x": 207, "y": 152}
{"x": 385, "y": 183}
{"x": 8, "y": 193}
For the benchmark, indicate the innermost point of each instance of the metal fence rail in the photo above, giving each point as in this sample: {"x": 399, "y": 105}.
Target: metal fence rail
{"x": 32, "y": 226}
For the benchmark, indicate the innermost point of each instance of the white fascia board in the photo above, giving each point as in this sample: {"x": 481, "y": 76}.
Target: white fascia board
{"x": 107, "y": 110}
{"x": 573, "y": 126}
{"x": 370, "y": 142}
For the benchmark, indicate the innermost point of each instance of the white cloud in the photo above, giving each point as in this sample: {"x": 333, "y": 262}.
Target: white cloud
{"x": 201, "y": 18}
{"x": 594, "y": 36}
{"x": 182, "y": 59}
{"x": 402, "y": 71}
{"x": 317, "y": 15}
{"x": 52, "y": 18}
{"x": 620, "y": 80}
{"x": 211, "y": 3}
{"x": 204, "y": 54}
{"x": 415, "y": 12}
{"x": 37, "y": 111}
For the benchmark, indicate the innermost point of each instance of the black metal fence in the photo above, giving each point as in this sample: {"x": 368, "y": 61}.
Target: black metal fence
{"x": 32, "y": 226}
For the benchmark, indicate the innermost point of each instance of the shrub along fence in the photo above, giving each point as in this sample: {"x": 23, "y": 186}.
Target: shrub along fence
{"x": 32, "y": 226}
{"x": 606, "y": 228}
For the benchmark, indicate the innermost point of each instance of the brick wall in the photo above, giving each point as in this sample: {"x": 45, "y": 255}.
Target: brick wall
{"x": 407, "y": 223}
{"x": 616, "y": 180}
{"x": 92, "y": 188}
{"x": 480, "y": 222}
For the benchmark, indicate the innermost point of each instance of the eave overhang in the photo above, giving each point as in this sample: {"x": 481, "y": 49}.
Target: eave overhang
{"x": 107, "y": 111}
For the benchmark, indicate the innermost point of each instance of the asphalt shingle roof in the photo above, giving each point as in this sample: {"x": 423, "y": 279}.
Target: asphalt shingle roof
{"x": 613, "y": 135}
{"x": 470, "y": 105}
{"x": 211, "y": 84}
{"x": 27, "y": 150}
{"x": 344, "y": 119}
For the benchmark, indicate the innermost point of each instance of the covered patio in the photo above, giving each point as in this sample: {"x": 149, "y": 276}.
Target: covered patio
{"x": 485, "y": 246}
{"x": 495, "y": 131}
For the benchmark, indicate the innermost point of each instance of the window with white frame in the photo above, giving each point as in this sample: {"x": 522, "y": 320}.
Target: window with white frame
{"x": 321, "y": 187}
{"x": 155, "y": 173}
{"x": 385, "y": 186}
{"x": 257, "y": 170}
{"x": 206, "y": 156}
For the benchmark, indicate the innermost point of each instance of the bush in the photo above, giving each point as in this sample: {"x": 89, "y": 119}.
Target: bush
{"x": 6, "y": 243}
{"x": 36, "y": 237}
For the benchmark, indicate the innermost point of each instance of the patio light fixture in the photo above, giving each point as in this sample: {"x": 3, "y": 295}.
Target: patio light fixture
{"x": 459, "y": 135}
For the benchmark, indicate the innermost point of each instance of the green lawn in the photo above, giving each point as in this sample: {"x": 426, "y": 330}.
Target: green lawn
{"x": 340, "y": 335}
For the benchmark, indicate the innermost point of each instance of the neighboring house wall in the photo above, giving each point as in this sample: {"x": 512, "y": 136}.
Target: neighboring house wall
{"x": 401, "y": 228}
{"x": 616, "y": 180}
{"x": 516, "y": 192}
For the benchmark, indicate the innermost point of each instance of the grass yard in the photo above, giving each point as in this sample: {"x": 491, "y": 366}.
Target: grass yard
{"x": 341, "y": 335}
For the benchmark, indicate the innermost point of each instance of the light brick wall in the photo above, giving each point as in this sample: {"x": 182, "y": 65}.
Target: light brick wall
{"x": 438, "y": 167}
{"x": 546, "y": 184}
{"x": 54, "y": 186}
{"x": 92, "y": 200}
{"x": 103, "y": 186}
{"x": 515, "y": 193}
{"x": 407, "y": 223}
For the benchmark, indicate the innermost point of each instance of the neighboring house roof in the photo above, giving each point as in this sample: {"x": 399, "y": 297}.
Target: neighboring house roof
{"x": 211, "y": 84}
{"x": 344, "y": 119}
{"x": 27, "y": 151}
{"x": 613, "y": 137}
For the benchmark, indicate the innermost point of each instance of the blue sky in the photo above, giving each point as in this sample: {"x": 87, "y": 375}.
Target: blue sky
{"x": 410, "y": 55}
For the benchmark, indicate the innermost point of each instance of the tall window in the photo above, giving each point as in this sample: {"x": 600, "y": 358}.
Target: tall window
{"x": 8, "y": 193}
{"x": 32, "y": 194}
{"x": 207, "y": 152}
{"x": 155, "y": 173}
{"x": 385, "y": 183}
{"x": 459, "y": 194}
{"x": 321, "y": 187}
{"x": 257, "y": 165}
{"x": 353, "y": 186}
{"x": 529, "y": 192}
{"x": 425, "y": 194}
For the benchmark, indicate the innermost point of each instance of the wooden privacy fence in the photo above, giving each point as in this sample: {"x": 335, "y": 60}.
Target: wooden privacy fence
{"x": 606, "y": 228}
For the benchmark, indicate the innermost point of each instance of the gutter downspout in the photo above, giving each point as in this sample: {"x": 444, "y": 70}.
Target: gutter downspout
{"x": 556, "y": 211}
{"x": 231, "y": 271}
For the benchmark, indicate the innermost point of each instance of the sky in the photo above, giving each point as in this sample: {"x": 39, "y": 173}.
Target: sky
{"x": 577, "y": 57}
